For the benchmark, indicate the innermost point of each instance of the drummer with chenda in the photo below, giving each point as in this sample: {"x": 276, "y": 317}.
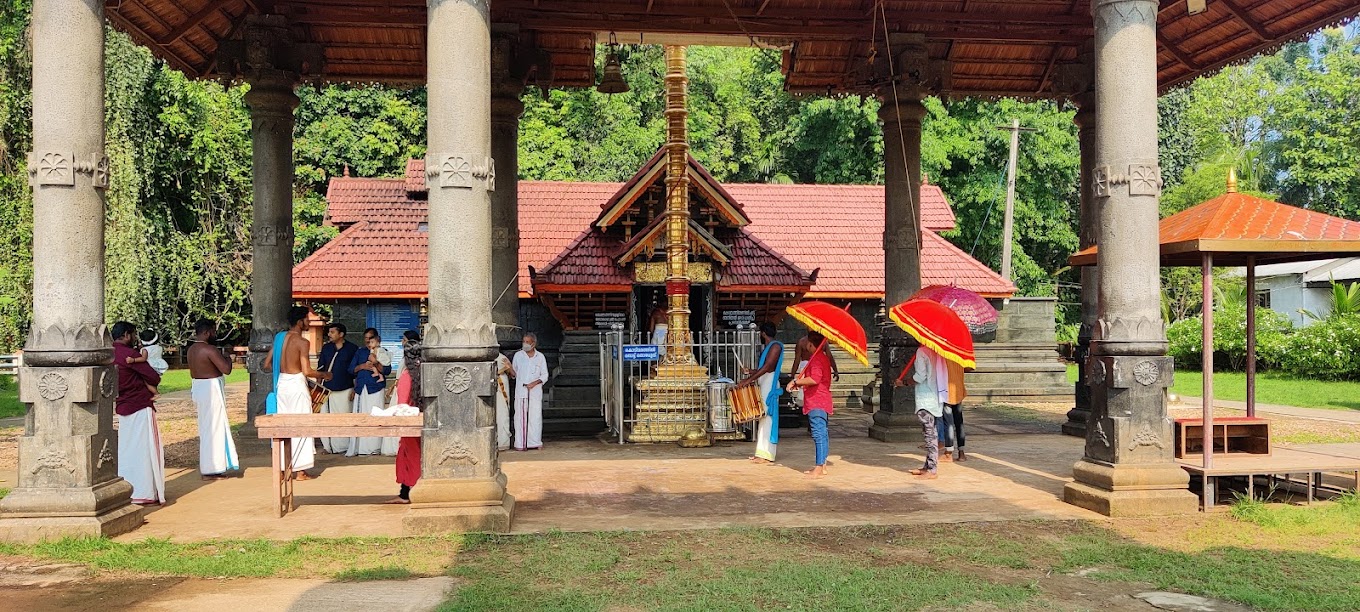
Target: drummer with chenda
{"x": 766, "y": 375}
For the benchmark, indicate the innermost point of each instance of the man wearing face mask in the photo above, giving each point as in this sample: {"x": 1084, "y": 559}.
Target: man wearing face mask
{"x": 530, "y": 370}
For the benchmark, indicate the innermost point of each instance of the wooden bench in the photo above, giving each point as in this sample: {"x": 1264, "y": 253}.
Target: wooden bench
{"x": 1231, "y": 436}
{"x": 280, "y": 429}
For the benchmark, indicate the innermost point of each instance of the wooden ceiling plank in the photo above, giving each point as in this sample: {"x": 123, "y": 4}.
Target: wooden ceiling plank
{"x": 1177, "y": 52}
{"x": 192, "y": 22}
{"x": 627, "y": 10}
{"x": 761, "y": 10}
{"x": 1246, "y": 19}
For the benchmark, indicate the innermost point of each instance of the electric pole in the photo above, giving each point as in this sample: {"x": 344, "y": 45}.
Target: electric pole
{"x": 1008, "y": 226}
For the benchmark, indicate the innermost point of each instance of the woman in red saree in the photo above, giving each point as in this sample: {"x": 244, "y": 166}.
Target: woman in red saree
{"x": 408, "y": 450}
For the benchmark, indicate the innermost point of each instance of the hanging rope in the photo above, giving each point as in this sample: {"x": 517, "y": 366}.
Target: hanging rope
{"x": 901, "y": 134}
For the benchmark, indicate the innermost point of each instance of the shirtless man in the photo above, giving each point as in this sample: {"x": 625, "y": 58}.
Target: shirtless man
{"x": 659, "y": 324}
{"x": 292, "y": 396}
{"x": 208, "y": 369}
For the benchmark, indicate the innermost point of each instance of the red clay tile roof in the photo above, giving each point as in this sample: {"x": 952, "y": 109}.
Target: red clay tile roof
{"x": 756, "y": 265}
{"x": 1234, "y": 225}
{"x": 839, "y": 228}
{"x": 370, "y": 261}
{"x": 588, "y": 260}
{"x": 368, "y": 258}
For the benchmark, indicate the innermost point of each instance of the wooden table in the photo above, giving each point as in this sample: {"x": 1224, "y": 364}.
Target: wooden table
{"x": 1231, "y": 436}
{"x": 280, "y": 429}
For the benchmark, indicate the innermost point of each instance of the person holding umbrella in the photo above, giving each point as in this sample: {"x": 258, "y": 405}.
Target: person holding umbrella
{"x": 928, "y": 376}
{"x": 815, "y": 380}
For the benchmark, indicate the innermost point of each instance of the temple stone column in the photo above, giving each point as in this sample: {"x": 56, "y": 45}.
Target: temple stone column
{"x": 271, "y": 101}
{"x": 901, "y": 113}
{"x": 268, "y": 58}
{"x": 895, "y": 420}
{"x": 1128, "y": 468}
{"x": 68, "y": 483}
{"x": 507, "y": 83}
{"x": 462, "y": 487}
{"x": 1077, "y": 82}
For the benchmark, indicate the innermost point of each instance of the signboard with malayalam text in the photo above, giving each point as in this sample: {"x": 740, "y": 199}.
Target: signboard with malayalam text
{"x": 641, "y": 352}
{"x": 607, "y": 320}
{"x": 738, "y": 318}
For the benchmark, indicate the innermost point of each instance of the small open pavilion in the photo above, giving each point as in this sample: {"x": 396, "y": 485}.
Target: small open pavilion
{"x": 1108, "y": 57}
{"x": 1237, "y": 229}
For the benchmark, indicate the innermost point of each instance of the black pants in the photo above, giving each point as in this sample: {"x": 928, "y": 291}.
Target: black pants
{"x": 951, "y": 433}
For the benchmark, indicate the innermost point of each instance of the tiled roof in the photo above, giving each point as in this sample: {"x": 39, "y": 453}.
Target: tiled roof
{"x": 588, "y": 260}
{"x": 835, "y": 228}
{"x": 415, "y": 176}
{"x": 755, "y": 264}
{"x": 655, "y": 168}
{"x": 378, "y": 257}
{"x": 1234, "y": 225}
{"x": 351, "y": 200}
{"x": 839, "y": 228}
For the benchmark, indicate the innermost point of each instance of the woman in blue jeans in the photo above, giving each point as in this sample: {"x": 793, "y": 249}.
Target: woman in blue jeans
{"x": 815, "y": 380}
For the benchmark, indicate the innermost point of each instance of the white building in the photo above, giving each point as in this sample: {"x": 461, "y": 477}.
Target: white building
{"x": 1290, "y": 288}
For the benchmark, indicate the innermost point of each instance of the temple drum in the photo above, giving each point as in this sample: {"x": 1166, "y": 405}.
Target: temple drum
{"x": 746, "y": 405}
{"x": 719, "y": 408}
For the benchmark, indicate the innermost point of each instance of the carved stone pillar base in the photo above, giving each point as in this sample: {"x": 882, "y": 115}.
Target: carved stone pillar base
{"x": 1131, "y": 490}
{"x": 896, "y": 419}
{"x": 67, "y": 482}
{"x": 462, "y": 486}
{"x": 1128, "y": 468}
{"x": 36, "y": 529}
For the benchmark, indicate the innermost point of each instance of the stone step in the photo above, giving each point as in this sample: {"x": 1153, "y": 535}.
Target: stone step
{"x": 576, "y": 395}
{"x": 573, "y": 427}
{"x": 572, "y": 411}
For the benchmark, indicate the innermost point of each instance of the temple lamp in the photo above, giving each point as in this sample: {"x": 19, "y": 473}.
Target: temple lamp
{"x": 1194, "y": 7}
{"x": 612, "y": 81}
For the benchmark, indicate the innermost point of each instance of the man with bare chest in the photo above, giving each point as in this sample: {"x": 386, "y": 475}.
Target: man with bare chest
{"x": 291, "y": 367}
{"x": 208, "y": 368}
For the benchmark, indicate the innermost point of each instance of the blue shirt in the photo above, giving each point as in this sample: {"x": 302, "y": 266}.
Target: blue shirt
{"x": 343, "y": 374}
{"x": 364, "y": 380}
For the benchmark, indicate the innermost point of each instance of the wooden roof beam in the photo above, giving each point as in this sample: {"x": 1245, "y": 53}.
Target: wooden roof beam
{"x": 192, "y": 22}
{"x": 1177, "y": 52}
{"x": 1246, "y": 19}
{"x": 833, "y": 30}
{"x": 626, "y": 10}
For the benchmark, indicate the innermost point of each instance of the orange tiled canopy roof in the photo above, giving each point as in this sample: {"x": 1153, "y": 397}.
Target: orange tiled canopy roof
{"x": 1235, "y": 225}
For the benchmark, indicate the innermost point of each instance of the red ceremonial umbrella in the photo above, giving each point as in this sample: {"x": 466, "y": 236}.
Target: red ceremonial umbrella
{"x": 936, "y": 327}
{"x": 974, "y": 309}
{"x": 836, "y": 324}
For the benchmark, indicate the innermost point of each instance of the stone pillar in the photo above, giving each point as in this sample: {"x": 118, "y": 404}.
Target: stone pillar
{"x": 271, "y": 101}
{"x": 462, "y": 488}
{"x": 68, "y": 483}
{"x": 272, "y": 62}
{"x": 507, "y": 83}
{"x": 1128, "y": 468}
{"x": 1077, "y": 82}
{"x": 901, "y": 113}
{"x": 895, "y": 420}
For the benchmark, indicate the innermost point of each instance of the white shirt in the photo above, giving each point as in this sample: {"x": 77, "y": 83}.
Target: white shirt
{"x": 529, "y": 369}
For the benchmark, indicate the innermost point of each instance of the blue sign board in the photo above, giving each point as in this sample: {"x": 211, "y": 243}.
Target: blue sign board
{"x": 641, "y": 352}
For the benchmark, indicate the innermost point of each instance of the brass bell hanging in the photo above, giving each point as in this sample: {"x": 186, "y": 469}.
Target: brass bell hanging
{"x": 611, "y": 82}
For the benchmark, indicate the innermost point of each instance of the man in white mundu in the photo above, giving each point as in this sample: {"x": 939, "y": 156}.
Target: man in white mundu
{"x": 291, "y": 368}
{"x": 371, "y": 367}
{"x": 530, "y": 370}
{"x": 208, "y": 368}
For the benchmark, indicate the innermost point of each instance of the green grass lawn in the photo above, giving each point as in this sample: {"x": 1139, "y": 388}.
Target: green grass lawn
{"x": 1271, "y": 388}
{"x": 174, "y": 380}
{"x": 1238, "y": 556}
